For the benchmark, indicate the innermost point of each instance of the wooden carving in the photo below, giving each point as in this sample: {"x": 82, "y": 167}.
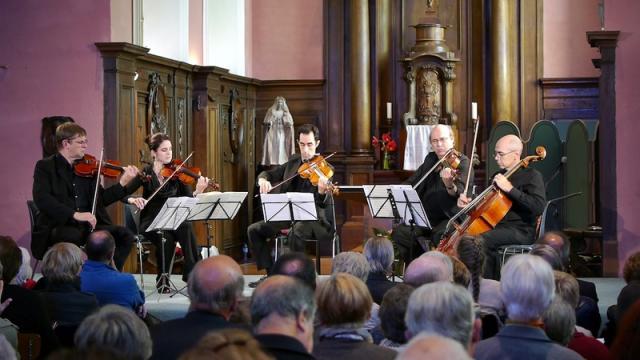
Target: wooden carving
{"x": 429, "y": 96}
{"x": 156, "y": 105}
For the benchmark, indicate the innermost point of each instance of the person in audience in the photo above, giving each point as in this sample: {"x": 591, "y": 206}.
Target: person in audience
{"x": 282, "y": 315}
{"x": 99, "y": 277}
{"x": 354, "y": 263}
{"x": 559, "y": 321}
{"x": 227, "y": 344}
{"x": 65, "y": 200}
{"x": 26, "y": 309}
{"x": 117, "y": 329}
{"x": 379, "y": 254}
{"x": 344, "y": 304}
{"x": 627, "y": 343}
{"x": 486, "y": 292}
{"x": 215, "y": 287}
{"x": 82, "y": 354}
{"x": 298, "y": 265}
{"x": 25, "y": 273}
{"x": 67, "y": 305}
{"x": 527, "y": 288}
{"x": 7, "y": 351}
{"x": 429, "y": 267}
{"x": 559, "y": 242}
{"x": 549, "y": 254}
{"x": 444, "y": 309}
{"x": 7, "y": 329}
{"x": 433, "y": 347}
{"x": 392, "y": 312}
{"x": 461, "y": 274}
{"x": 629, "y": 294}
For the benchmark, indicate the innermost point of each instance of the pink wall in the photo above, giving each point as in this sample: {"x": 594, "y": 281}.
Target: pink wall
{"x": 121, "y": 21}
{"x": 195, "y": 31}
{"x": 53, "y": 69}
{"x": 287, "y": 39}
{"x": 622, "y": 15}
{"x": 566, "y": 50}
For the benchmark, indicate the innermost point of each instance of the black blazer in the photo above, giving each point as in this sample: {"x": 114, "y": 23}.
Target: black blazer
{"x": 283, "y": 347}
{"x": 66, "y": 304}
{"x": 344, "y": 349}
{"x": 378, "y": 285}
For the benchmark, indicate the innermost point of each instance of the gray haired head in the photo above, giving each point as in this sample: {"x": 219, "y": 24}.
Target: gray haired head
{"x": 430, "y": 267}
{"x": 351, "y": 262}
{"x": 379, "y": 253}
{"x": 527, "y": 287}
{"x": 283, "y": 295}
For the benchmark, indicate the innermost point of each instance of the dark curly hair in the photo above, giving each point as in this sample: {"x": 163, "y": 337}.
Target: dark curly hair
{"x": 631, "y": 270}
{"x": 471, "y": 254}
{"x": 155, "y": 140}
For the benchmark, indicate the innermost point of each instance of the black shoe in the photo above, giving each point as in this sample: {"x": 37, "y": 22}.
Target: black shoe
{"x": 257, "y": 282}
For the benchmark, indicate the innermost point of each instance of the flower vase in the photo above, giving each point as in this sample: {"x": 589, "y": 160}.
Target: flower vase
{"x": 385, "y": 161}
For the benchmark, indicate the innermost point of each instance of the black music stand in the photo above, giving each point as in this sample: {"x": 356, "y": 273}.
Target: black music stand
{"x": 290, "y": 207}
{"x": 173, "y": 213}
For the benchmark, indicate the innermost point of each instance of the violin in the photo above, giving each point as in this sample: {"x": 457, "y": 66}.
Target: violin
{"x": 316, "y": 168}
{"x": 451, "y": 160}
{"x": 186, "y": 175}
{"x": 485, "y": 211}
{"x": 89, "y": 164}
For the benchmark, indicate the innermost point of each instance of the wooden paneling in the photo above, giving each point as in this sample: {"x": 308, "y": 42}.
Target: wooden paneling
{"x": 570, "y": 98}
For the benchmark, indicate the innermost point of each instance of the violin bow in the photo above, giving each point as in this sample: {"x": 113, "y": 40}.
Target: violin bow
{"x": 311, "y": 167}
{"x": 95, "y": 192}
{"x": 473, "y": 149}
{"x": 164, "y": 183}
{"x": 444, "y": 157}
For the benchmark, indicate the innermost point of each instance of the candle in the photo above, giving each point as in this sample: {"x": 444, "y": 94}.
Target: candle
{"x": 388, "y": 110}
{"x": 474, "y": 111}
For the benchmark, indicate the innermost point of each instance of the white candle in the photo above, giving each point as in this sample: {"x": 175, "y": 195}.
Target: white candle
{"x": 388, "y": 110}
{"x": 474, "y": 110}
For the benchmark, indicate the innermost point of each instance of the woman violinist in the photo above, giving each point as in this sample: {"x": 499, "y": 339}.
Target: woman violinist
{"x": 161, "y": 153}
{"x": 524, "y": 188}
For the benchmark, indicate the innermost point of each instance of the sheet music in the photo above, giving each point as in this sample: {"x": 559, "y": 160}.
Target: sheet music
{"x": 228, "y": 205}
{"x": 378, "y": 199}
{"x": 407, "y": 200}
{"x": 275, "y": 207}
{"x": 173, "y": 213}
{"x": 304, "y": 206}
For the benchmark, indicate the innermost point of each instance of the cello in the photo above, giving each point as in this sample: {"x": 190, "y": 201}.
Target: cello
{"x": 485, "y": 211}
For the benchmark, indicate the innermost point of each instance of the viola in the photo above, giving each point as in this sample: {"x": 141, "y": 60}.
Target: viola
{"x": 316, "y": 168}
{"x": 89, "y": 164}
{"x": 186, "y": 175}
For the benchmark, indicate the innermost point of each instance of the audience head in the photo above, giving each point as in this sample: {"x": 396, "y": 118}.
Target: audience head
{"x": 527, "y": 287}
{"x": 549, "y": 254}
{"x": 392, "y": 311}
{"x": 433, "y": 347}
{"x": 100, "y": 246}
{"x": 560, "y": 243}
{"x": 298, "y": 265}
{"x": 25, "y": 271}
{"x": 461, "y": 274}
{"x": 343, "y": 301}
{"x": 283, "y": 304}
{"x": 626, "y": 345}
{"x": 429, "y": 267}
{"x": 559, "y": 321}
{"x": 228, "y": 344}
{"x": 379, "y": 253}
{"x": 631, "y": 270}
{"x": 441, "y": 308}
{"x": 62, "y": 262}
{"x": 115, "y": 328}
{"x": 351, "y": 262}
{"x": 215, "y": 284}
{"x": 68, "y": 131}
{"x": 471, "y": 254}
{"x": 10, "y": 257}
{"x": 83, "y": 354}
{"x": 567, "y": 288}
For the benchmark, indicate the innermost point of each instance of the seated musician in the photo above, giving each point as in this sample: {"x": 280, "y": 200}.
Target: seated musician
{"x": 161, "y": 152}
{"x": 438, "y": 193}
{"x": 308, "y": 140}
{"x": 525, "y": 188}
{"x": 65, "y": 200}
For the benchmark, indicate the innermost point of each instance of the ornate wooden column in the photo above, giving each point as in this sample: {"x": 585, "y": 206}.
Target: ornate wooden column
{"x": 504, "y": 60}
{"x": 606, "y": 42}
{"x": 384, "y": 84}
{"x": 360, "y": 82}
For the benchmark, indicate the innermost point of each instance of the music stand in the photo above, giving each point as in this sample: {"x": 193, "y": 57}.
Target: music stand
{"x": 292, "y": 207}
{"x": 173, "y": 213}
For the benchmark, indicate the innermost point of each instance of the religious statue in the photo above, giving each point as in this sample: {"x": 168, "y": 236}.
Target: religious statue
{"x": 279, "y": 140}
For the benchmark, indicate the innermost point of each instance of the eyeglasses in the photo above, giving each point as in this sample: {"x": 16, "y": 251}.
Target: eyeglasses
{"x": 502, "y": 154}
{"x": 440, "y": 140}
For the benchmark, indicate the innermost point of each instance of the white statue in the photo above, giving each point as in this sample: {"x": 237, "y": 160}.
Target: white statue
{"x": 279, "y": 141}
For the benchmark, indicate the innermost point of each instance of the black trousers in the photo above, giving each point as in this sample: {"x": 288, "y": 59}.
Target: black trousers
{"x": 409, "y": 245}
{"x": 124, "y": 238}
{"x": 499, "y": 236}
{"x": 185, "y": 236}
{"x": 259, "y": 232}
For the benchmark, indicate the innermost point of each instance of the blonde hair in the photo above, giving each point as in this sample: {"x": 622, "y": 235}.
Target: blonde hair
{"x": 228, "y": 344}
{"x": 343, "y": 299}
{"x": 62, "y": 262}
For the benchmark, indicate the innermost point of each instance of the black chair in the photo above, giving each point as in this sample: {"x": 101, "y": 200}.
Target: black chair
{"x": 37, "y": 250}
{"x": 132, "y": 222}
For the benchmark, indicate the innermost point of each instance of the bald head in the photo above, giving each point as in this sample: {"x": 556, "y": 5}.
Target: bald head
{"x": 430, "y": 267}
{"x": 215, "y": 284}
{"x": 510, "y": 143}
{"x": 559, "y": 242}
{"x": 433, "y": 347}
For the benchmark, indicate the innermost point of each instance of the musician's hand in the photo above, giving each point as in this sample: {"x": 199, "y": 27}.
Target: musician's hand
{"x": 138, "y": 202}
{"x": 323, "y": 186}
{"x": 265, "y": 185}
{"x": 85, "y": 217}
{"x": 447, "y": 175}
{"x": 130, "y": 172}
{"x": 463, "y": 200}
{"x": 503, "y": 183}
{"x": 201, "y": 186}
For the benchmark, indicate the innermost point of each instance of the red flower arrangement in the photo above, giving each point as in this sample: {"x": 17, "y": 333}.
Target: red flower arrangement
{"x": 386, "y": 145}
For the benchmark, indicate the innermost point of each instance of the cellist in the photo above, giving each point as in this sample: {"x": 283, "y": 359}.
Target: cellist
{"x": 525, "y": 188}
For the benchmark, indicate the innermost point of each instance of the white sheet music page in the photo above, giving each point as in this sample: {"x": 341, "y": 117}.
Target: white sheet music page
{"x": 275, "y": 207}
{"x": 304, "y": 206}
